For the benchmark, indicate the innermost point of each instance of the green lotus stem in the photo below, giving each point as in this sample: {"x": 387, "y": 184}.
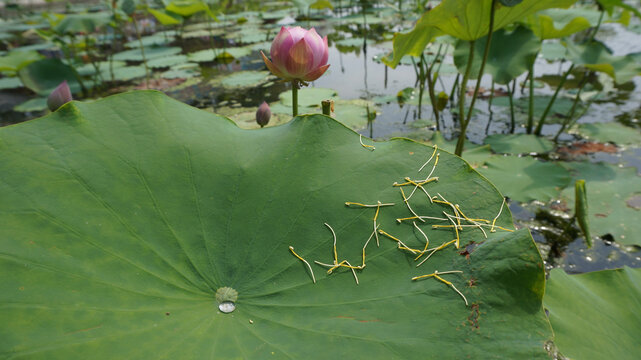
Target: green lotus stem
{"x": 421, "y": 85}
{"x": 326, "y": 106}
{"x": 575, "y": 104}
{"x": 511, "y": 98}
{"x": 539, "y": 126}
{"x": 461, "y": 140}
{"x": 430, "y": 87}
{"x": 142, "y": 50}
{"x": 489, "y": 108}
{"x": 462, "y": 88}
{"x": 294, "y": 98}
{"x": 530, "y": 110}
{"x": 453, "y": 92}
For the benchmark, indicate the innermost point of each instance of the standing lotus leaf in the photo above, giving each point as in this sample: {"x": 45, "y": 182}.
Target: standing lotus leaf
{"x": 510, "y": 3}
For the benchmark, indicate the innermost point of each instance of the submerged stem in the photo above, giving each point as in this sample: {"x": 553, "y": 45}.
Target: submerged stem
{"x": 461, "y": 140}
{"x": 539, "y": 126}
{"x": 530, "y": 111}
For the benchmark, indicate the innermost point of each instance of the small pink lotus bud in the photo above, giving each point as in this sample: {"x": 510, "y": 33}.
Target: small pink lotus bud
{"x": 59, "y": 96}
{"x": 263, "y": 114}
{"x": 298, "y": 54}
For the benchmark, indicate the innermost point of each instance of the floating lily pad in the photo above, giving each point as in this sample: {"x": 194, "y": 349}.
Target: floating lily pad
{"x": 182, "y": 71}
{"x": 309, "y": 96}
{"x": 10, "y": 83}
{"x": 126, "y": 73}
{"x": 610, "y": 132}
{"x": 242, "y": 79}
{"x": 595, "y": 315}
{"x": 524, "y": 178}
{"x": 211, "y": 55}
{"x": 31, "y": 105}
{"x": 167, "y": 61}
{"x": 559, "y": 110}
{"x": 150, "y": 53}
{"x": 149, "y": 41}
{"x": 103, "y": 67}
{"x": 160, "y": 215}
{"x": 609, "y": 188}
{"x": 245, "y": 117}
{"x": 519, "y": 144}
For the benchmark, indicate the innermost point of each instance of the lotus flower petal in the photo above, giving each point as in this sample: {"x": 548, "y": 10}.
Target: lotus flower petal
{"x": 300, "y": 60}
{"x": 315, "y": 74}
{"x": 273, "y": 68}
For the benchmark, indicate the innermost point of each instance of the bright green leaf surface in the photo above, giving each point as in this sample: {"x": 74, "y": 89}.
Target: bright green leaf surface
{"x": 609, "y": 191}
{"x": 558, "y": 23}
{"x": 581, "y": 210}
{"x": 465, "y": 20}
{"x": 511, "y": 54}
{"x": 121, "y": 218}
{"x": 525, "y": 178}
{"x": 519, "y": 144}
{"x": 165, "y": 18}
{"x": 596, "y": 315}
{"x": 596, "y": 56}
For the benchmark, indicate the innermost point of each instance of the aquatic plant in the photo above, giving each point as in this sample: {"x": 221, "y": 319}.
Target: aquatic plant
{"x": 299, "y": 56}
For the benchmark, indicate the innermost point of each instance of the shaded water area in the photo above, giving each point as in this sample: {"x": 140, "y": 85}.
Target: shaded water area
{"x": 367, "y": 92}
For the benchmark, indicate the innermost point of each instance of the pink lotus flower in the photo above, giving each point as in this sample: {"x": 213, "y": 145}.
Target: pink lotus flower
{"x": 298, "y": 54}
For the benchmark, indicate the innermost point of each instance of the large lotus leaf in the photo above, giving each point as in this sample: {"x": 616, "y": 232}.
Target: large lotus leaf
{"x": 152, "y": 40}
{"x": 553, "y": 51}
{"x": 518, "y": 144}
{"x": 86, "y": 23}
{"x": 166, "y": 18}
{"x": 188, "y": 8}
{"x": 525, "y": 178}
{"x": 44, "y": 75}
{"x": 609, "y": 6}
{"x": 465, "y": 20}
{"x": 612, "y": 192}
{"x": 610, "y": 132}
{"x": 596, "y": 315}
{"x": 596, "y": 56}
{"x": 16, "y": 60}
{"x": 150, "y": 53}
{"x": 122, "y": 217}
{"x": 511, "y": 54}
{"x": 558, "y": 23}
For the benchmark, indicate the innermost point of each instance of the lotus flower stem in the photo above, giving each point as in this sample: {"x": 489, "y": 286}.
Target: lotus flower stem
{"x": 461, "y": 140}
{"x": 539, "y": 126}
{"x": 489, "y": 108}
{"x": 577, "y": 98}
{"x": 511, "y": 98}
{"x": 142, "y": 50}
{"x": 294, "y": 98}
{"x": 461, "y": 98}
{"x": 530, "y": 111}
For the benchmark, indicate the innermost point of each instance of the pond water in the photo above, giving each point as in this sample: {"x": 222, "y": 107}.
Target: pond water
{"x": 362, "y": 85}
